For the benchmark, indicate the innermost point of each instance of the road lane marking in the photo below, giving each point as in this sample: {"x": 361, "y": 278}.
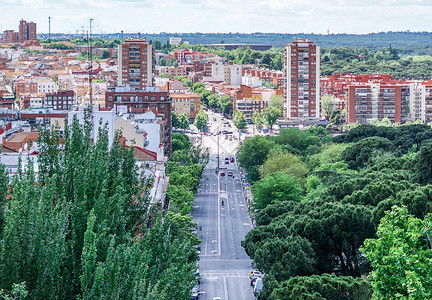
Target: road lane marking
{"x": 225, "y": 287}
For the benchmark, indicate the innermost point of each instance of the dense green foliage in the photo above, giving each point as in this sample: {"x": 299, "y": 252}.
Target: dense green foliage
{"x": 239, "y": 120}
{"x": 348, "y": 60}
{"x": 184, "y": 168}
{"x": 84, "y": 228}
{"x": 412, "y": 41}
{"x": 323, "y": 286}
{"x": 347, "y": 184}
{"x": 401, "y": 257}
{"x": 201, "y": 120}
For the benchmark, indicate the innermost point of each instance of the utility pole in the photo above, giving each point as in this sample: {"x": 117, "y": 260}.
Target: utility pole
{"x": 218, "y": 148}
{"x": 90, "y": 52}
{"x": 49, "y": 28}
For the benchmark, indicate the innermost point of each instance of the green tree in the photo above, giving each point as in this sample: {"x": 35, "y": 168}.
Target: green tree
{"x": 256, "y": 119}
{"x": 423, "y": 163}
{"x": 325, "y": 286}
{"x": 276, "y": 101}
{"x": 196, "y": 86}
{"x": 175, "y": 120}
{"x": 105, "y": 54}
{"x": 183, "y": 121}
{"x": 239, "y": 120}
{"x": 280, "y": 160}
{"x": 270, "y": 116}
{"x": 84, "y": 227}
{"x": 276, "y": 187}
{"x": 286, "y": 257}
{"x": 362, "y": 153}
{"x": 157, "y": 45}
{"x": 327, "y": 106}
{"x": 226, "y": 105}
{"x": 201, "y": 120}
{"x": 205, "y": 96}
{"x": 401, "y": 256}
{"x": 252, "y": 154}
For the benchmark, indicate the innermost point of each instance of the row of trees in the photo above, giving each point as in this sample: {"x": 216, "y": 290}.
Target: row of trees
{"x": 318, "y": 200}
{"x": 386, "y": 61}
{"x": 84, "y": 227}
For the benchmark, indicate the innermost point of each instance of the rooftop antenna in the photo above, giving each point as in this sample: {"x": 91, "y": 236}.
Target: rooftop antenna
{"x": 90, "y": 56}
{"x": 49, "y": 28}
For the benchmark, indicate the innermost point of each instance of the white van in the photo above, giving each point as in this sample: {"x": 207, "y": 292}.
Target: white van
{"x": 258, "y": 286}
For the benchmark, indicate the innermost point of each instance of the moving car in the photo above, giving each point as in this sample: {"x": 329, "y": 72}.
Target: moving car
{"x": 257, "y": 286}
{"x": 194, "y": 293}
{"x": 254, "y": 273}
{"x": 230, "y": 173}
{"x": 232, "y": 159}
{"x": 214, "y": 119}
{"x": 222, "y": 173}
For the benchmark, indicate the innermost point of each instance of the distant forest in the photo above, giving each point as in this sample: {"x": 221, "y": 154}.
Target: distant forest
{"x": 419, "y": 43}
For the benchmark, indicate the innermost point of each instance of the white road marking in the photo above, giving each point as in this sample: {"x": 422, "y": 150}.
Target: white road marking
{"x": 225, "y": 287}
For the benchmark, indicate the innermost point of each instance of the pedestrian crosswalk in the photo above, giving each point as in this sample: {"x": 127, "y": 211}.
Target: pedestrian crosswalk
{"x": 206, "y": 193}
{"x": 211, "y": 276}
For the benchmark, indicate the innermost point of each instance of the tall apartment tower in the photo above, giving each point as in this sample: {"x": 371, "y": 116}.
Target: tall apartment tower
{"x": 302, "y": 80}
{"x": 135, "y": 64}
{"x": 27, "y": 31}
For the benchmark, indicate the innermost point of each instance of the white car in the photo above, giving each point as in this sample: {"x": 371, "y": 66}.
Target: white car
{"x": 217, "y": 298}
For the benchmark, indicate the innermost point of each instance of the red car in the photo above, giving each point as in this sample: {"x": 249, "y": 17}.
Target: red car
{"x": 222, "y": 174}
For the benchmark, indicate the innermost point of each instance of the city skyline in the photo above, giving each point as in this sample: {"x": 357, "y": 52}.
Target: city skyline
{"x": 150, "y": 16}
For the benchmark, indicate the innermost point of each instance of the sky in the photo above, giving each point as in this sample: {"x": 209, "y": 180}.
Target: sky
{"x": 246, "y": 16}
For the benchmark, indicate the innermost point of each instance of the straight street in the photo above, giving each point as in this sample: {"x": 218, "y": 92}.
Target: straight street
{"x": 224, "y": 265}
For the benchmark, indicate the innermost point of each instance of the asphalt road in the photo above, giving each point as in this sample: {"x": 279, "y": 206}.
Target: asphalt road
{"x": 224, "y": 265}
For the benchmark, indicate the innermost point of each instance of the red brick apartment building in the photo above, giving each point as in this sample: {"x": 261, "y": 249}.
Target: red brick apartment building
{"x": 10, "y": 37}
{"x": 374, "y": 100}
{"x": 139, "y": 101}
{"x": 135, "y": 64}
{"x": 7, "y": 100}
{"x": 27, "y": 31}
{"x": 23, "y": 87}
{"x": 302, "y": 80}
{"x": 61, "y": 100}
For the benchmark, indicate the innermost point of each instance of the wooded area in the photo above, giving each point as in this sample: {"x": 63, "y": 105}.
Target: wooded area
{"x": 84, "y": 228}
{"x": 318, "y": 198}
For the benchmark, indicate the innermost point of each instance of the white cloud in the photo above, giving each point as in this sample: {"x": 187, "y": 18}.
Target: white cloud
{"x": 221, "y": 15}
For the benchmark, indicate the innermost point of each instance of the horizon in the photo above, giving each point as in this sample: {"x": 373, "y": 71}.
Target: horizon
{"x": 257, "y": 32}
